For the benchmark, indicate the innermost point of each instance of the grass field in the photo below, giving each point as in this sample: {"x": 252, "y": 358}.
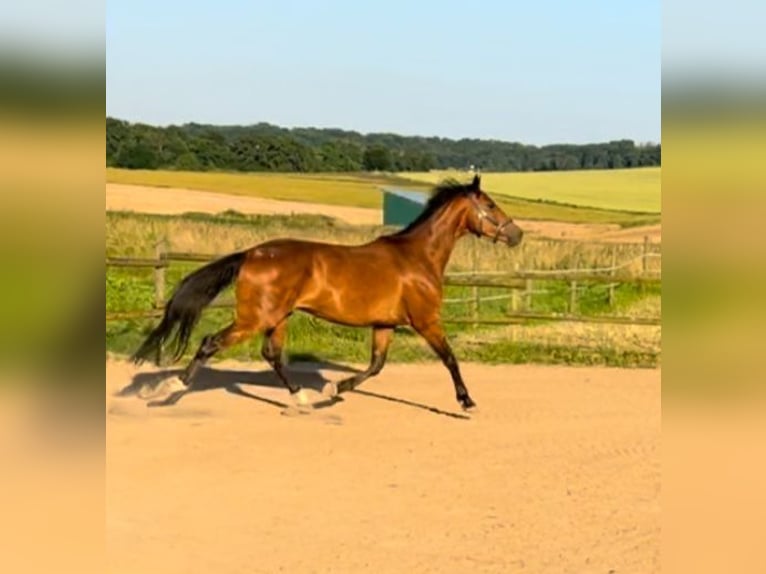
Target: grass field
{"x": 633, "y": 190}
{"x": 363, "y": 190}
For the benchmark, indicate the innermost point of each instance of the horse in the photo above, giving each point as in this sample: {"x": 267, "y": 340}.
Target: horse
{"x": 394, "y": 280}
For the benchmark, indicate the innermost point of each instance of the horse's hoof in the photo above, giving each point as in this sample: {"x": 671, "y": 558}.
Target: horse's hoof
{"x": 166, "y": 388}
{"x": 146, "y": 392}
{"x": 300, "y": 399}
{"x": 468, "y": 405}
{"x": 169, "y": 400}
{"x": 330, "y": 390}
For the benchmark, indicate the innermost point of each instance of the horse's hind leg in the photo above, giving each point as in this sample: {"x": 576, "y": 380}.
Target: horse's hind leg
{"x": 271, "y": 350}
{"x": 211, "y": 344}
{"x": 381, "y": 339}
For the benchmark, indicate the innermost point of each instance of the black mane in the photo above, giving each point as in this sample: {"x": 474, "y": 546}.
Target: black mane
{"x": 441, "y": 195}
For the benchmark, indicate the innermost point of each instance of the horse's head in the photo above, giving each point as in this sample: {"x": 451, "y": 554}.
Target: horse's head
{"x": 486, "y": 219}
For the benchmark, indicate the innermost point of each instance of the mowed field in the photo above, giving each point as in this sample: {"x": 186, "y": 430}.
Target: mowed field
{"x": 364, "y": 191}
{"x": 637, "y": 190}
{"x": 330, "y": 189}
{"x": 559, "y": 471}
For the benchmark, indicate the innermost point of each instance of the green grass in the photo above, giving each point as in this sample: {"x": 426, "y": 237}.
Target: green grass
{"x": 636, "y": 190}
{"x": 312, "y": 337}
{"x": 318, "y": 340}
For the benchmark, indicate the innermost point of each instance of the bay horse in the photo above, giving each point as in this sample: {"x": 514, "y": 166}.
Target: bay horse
{"x": 394, "y": 280}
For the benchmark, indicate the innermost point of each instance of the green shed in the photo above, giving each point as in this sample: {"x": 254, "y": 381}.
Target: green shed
{"x": 402, "y": 206}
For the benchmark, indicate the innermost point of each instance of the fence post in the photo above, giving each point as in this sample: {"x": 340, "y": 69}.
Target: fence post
{"x": 645, "y": 258}
{"x": 514, "y": 305}
{"x": 572, "y": 297}
{"x": 612, "y": 272}
{"x": 644, "y": 264}
{"x": 159, "y": 275}
{"x": 159, "y": 283}
{"x": 515, "y": 293}
{"x": 528, "y": 295}
{"x": 573, "y": 285}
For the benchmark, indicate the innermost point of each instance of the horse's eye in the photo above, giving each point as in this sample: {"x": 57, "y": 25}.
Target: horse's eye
{"x": 491, "y": 205}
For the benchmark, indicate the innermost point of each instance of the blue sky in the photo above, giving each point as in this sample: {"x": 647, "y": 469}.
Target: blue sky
{"x": 537, "y": 72}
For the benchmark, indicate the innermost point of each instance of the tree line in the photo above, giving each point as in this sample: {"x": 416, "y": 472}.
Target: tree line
{"x": 265, "y": 147}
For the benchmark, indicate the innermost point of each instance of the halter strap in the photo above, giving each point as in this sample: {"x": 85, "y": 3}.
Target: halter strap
{"x": 483, "y": 214}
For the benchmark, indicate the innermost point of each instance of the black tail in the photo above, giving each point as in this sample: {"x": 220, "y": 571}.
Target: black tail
{"x": 193, "y": 294}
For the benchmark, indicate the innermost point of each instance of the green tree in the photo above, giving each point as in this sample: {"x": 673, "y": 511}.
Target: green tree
{"x": 339, "y": 156}
{"x": 137, "y": 155}
{"x": 188, "y": 162}
{"x": 212, "y": 150}
{"x": 117, "y": 133}
{"x": 264, "y": 147}
{"x": 378, "y": 158}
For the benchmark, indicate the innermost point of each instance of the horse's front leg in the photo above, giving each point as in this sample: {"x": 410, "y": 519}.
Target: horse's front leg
{"x": 433, "y": 332}
{"x": 381, "y": 339}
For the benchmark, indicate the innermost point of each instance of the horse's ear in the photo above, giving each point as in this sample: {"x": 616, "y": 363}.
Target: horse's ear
{"x": 476, "y": 183}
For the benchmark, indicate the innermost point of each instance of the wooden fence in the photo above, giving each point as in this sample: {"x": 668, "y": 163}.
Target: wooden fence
{"x": 521, "y": 284}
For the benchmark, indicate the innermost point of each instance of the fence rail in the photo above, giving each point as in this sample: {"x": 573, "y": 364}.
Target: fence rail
{"x": 137, "y": 262}
{"x": 520, "y": 283}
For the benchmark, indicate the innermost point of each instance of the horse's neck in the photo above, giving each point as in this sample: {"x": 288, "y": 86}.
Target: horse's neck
{"x": 437, "y": 238}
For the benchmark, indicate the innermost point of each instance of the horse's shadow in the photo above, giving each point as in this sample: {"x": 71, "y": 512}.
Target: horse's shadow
{"x": 306, "y": 374}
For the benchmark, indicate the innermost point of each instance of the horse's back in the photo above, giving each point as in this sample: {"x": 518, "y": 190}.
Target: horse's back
{"x": 350, "y": 284}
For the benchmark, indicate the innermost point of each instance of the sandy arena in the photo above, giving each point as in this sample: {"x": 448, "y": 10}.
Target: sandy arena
{"x": 559, "y": 471}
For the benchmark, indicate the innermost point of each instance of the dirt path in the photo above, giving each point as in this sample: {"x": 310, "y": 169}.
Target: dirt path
{"x": 171, "y": 200}
{"x": 607, "y": 232}
{"x": 558, "y": 472}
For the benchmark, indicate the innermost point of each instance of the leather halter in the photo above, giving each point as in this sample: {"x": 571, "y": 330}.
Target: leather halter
{"x": 482, "y": 215}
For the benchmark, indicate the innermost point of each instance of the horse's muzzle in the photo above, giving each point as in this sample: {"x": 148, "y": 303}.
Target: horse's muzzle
{"x": 513, "y": 236}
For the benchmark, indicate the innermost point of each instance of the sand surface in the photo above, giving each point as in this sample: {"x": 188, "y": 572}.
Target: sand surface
{"x": 559, "y": 471}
